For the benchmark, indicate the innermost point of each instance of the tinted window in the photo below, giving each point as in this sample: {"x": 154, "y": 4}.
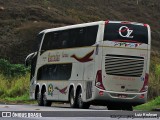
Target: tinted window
{"x": 46, "y": 42}
{"x": 85, "y": 36}
{"x": 77, "y": 37}
{"x": 64, "y": 39}
{"x": 55, "y": 72}
{"x": 56, "y": 40}
{"x": 37, "y": 42}
{"x": 126, "y": 33}
{"x": 80, "y": 37}
{"x": 91, "y": 35}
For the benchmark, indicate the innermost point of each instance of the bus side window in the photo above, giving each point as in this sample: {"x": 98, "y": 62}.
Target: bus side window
{"x": 80, "y": 37}
{"x": 85, "y": 36}
{"x": 55, "y": 40}
{"x": 73, "y": 36}
{"x": 77, "y": 37}
{"x": 51, "y": 41}
{"x": 64, "y": 71}
{"x": 64, "y": 39}
{"x": 46, "y": 42}
{"x": 37, "y": 42}
{"x": 55, "y": 72}
{"x": 90, "y": 35}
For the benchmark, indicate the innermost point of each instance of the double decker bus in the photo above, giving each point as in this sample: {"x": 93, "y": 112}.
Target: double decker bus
{"x": 100, "y": 63}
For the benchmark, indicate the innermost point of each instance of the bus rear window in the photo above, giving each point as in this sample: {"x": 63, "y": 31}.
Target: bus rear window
{"x": 126, "y": 33}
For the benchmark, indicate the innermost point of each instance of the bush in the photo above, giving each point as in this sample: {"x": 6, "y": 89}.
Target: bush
{"x": 154, "y": 77}
{"x": 12, "y": 70}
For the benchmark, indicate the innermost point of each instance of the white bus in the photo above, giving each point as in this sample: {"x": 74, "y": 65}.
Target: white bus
{"x": 100, "y": 63}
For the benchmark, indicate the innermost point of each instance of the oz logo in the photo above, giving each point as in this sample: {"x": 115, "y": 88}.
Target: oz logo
{"x": 124, "y": 31}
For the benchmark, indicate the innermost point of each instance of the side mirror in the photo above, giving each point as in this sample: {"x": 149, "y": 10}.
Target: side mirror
{"x": 29, "y": 58}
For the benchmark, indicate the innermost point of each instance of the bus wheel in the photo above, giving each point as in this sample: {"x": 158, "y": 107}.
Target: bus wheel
{"x": 80, "y": 103}
{"x": 39, "y": 99}
{"x": 72, "y": 99}
{"x": 45, "y": 101}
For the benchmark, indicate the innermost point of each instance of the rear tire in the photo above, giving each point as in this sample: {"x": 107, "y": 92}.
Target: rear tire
{"x": 80, "y": 102}
{"x": 45, "y": 101}
{"x": 72, "y": 99}
{"x": 39, "y": 99}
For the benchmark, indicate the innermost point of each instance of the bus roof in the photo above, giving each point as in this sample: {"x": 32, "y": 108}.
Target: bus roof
{"x": 89, "y": 24}
{"x": 72, "y": 26}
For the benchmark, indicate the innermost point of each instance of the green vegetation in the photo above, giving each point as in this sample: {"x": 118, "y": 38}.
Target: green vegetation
{"x": 14, "y": 82}
{"x": 153, "y": 104}
{"x": 154, "y": 76}
{"x": 154, "y": 85}
{"x": 12, "y": 70}
{"x": 15, "y": 89}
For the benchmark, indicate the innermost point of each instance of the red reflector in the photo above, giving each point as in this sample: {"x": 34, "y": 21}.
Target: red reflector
{"x": 107, "y": 21}
{"x": 145, "y": 25}
{"x": 142, "y": 96}
{"x": 125, "y": 22}
{"x": 101, "y": 93}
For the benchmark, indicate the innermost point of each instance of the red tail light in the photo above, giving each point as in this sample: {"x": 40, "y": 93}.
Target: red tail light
{"x": 145, "y": 85}
{"x": 99, "y": 82}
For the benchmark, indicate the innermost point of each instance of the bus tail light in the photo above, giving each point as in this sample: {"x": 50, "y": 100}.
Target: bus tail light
{"x": 145, "y": 85}
{"x": 99, "y": 83}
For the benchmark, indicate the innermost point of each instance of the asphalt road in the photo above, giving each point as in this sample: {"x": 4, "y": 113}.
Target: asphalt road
{"x": 54, "y": 107}
{"x": 64, "y": 112}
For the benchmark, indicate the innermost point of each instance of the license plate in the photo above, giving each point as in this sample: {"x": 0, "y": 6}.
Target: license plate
{"x": 122, "y": 95}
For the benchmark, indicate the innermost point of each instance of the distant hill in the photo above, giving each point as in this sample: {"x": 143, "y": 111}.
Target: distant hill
{"x": 21, "y": 20}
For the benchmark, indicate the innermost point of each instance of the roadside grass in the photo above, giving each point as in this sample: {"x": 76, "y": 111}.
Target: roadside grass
{"x": 149, "y": 106}
{"x": 154, "y": 76}
{"x": 15, "y": 90}
{"x": 13, "y": 87}
{"x": 24, "y": 99}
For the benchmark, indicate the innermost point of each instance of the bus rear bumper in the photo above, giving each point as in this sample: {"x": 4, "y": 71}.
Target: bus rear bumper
{"x": 109, "y": 97}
